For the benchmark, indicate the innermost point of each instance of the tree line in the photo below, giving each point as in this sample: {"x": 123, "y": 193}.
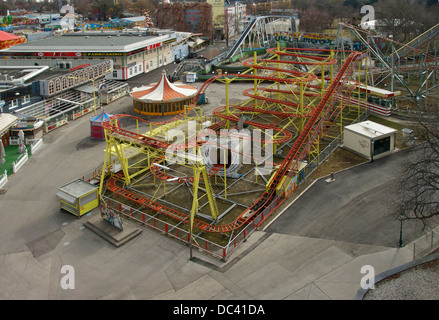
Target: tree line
{"x": 402, "y": 19}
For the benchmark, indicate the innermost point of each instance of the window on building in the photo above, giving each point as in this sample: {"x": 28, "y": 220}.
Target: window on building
{"x": 114, "y": 73}
{"x": 14, "y": 103}
{"x": 77, "y": 77}
{"x": 57, "y": 85}
{"x": 51, "y": 87}
{"x": 26, "y": 98}
{"x": 64, "y": 83}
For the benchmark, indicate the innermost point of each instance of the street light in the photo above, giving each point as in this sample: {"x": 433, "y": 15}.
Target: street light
{"x": 401, "y": 218}
{"x": 94, "y": 94}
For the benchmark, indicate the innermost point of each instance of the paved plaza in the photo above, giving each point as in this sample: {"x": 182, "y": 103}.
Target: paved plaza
{"x": 314, "y": 250}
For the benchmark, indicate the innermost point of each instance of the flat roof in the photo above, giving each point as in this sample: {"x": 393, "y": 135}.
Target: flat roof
{"x": 7, "y": 120}
{"x": 383, "y": 93}
{"x": 92, "y": 42}
{"x": 370, "y": 129}
{"x": 33, "y": 69}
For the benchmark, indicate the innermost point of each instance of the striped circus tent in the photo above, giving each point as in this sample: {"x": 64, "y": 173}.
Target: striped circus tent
{"x": 163, "y": 97}
{"x": 8, "y": 39}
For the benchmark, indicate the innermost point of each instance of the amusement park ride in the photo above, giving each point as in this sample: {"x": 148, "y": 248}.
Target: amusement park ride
{"x": 162, "y": 175}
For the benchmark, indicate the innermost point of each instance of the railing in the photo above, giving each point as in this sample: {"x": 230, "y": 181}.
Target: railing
{"x": 174, "y": 231}
{"x": 428, "y": 35}
{"x": 237, "y": 44}
{"x": 426, "y": 244}
{"x": 4, "y": 179}
{"x": 35, "y": 144}
{"x": 20, "y": 162}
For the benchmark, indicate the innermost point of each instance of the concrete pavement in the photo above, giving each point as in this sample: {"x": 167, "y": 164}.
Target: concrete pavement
{"x": 37, "y": 239}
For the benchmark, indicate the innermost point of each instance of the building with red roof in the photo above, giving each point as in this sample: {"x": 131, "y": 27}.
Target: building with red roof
{"x": 162, "y": 98}
{"x": 8, "y": 39}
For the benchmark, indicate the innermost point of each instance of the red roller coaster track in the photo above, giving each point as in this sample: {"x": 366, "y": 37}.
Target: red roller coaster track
{"x": 296, "y": 154}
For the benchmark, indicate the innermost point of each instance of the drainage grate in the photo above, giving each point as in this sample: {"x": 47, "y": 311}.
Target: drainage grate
{"x": 3, "y": 190}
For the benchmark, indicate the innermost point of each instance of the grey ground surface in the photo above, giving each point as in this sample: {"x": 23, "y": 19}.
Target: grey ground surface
{"x": 281, "y": 262}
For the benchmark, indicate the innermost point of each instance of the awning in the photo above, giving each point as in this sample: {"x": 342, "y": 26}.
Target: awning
{"x": 196, "y": 43}
{"x": 7, "y": 120}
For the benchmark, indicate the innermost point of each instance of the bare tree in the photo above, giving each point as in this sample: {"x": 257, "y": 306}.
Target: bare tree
{"x": 228, "y": 21}
{"x": 417, "y": 188}
{"x": 404, "y": 19}
{"x": 314, "y": 20}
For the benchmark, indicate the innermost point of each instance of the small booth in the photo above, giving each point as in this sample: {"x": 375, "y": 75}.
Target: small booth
{"x": 31, "y": 127}
{"x": 369, "y": 139}
{"x": 78, "y": 197}
{"x": 97, "y": 131}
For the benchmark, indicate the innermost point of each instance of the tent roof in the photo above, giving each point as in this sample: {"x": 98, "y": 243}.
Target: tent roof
{"x": 4, "y": 36}
{"x": 101, "y": 118}
{"x": 164, "y": 90}
{"x": 7, "y": 120}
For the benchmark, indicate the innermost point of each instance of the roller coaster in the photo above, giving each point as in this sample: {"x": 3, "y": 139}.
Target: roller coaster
{"x": 298, "y": 100}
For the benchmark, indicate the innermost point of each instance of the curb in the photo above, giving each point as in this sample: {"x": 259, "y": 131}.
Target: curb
{"x": 404, "y": 267}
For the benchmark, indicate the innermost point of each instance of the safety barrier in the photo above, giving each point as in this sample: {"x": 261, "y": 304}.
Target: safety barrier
{"x": 174, "y": 231}
{"x": 4, "y": 179}
{"x": 20, "y": 162}
{"x": 36, "y": 144}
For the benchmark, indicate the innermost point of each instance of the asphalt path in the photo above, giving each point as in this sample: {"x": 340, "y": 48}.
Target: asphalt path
{"x": 355, "y": 207}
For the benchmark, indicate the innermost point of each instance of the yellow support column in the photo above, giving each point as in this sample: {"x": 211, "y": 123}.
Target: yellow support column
{"x": 210, "y": 197}
{"x": 107, "y": 158}
{"x": 255, "y": 72}
{"x": 227, "y": 102}
{"x": 195, "y": 185}
{"x": 123, "y": 162}
{"x": 302, "y": 121}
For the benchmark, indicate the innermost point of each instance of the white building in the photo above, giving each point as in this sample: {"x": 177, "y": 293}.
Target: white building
{"x": 132, "y": 52}
{"x": 369, "y": 139}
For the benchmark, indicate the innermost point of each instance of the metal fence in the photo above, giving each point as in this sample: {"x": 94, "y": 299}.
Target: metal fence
{"x": 426, "y": 244}
{"x": 156, "y": 221}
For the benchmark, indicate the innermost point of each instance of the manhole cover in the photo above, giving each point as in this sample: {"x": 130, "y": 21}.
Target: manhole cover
{"x": 3, "y": 190}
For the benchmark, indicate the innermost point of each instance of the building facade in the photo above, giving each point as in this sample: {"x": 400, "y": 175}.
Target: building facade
{"x": 132, "y": 52}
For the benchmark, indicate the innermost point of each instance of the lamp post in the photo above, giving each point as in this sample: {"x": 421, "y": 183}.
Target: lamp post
{"x": 94, "y": 94}
{"x": 400, "y": 244}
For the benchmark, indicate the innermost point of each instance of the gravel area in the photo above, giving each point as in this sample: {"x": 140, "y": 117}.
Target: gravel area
{"x": 418, "y": 283}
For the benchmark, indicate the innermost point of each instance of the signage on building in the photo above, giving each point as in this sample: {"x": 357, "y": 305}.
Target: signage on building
{"x": 311, "y": 38}
{"x": 58, "y": 54}
{"x": 193, "y": 19}
{"x": 153, "y": 46}
{"x": 91, "y": 54}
